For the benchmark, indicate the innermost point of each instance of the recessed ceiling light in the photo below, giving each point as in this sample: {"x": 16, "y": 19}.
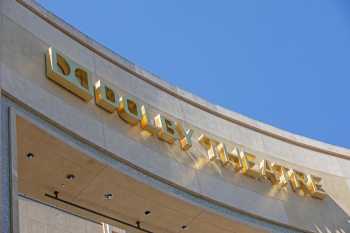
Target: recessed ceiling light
{"x": 30, "y": 155}
{"x": 184, "y": 227}
{"x": 108, "y": 196}
{"x": 147, "y": 212}
{"x": 70, "y": 177}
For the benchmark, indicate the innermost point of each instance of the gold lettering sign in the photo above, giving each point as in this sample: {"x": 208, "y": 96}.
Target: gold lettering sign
{"x": 223, "y": 154}
{"x": 68, "y": 74}
{"x": 77, "y": 80}
{"x": 245, "y": 163}
{"x": 210, "y": 146}
{"x": 315, "y": 187}
{"x": 184, "y": 137}
{"x": 106, "y": 97}
{"x": 249, "y": 168}
{"x": 129, "y": 110}
{"x": 267, "y": 172}
{"x": 147, "y": 123}
{"x": 167, "y": 129}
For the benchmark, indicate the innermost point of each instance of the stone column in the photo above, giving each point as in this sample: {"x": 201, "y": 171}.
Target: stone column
{"x": 5, "y": 181}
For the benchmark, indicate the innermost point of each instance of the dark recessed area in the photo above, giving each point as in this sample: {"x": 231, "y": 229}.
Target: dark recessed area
{"x": 70, "y": 177}
{"x": 30, "y": 155}
{"x": 108, "y": 196}
{"x": 184, "y": 227}
{"x": 147, "y": 212}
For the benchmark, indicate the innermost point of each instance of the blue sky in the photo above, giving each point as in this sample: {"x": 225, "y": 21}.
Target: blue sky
{"x": 285, "y": 63}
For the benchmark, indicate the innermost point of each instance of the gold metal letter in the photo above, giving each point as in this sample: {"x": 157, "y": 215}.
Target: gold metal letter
{"x": 249, "y": 168}
{"x": 315, "y": 187}
{"x": 184, "y": 137}
{"x": 223, "y": 154}
{"x": 280, "y": 173}
{"x": 234, "y": 159}
{"x": 105, "y": 97}
{"x": 147, "y": 123}
{"x": 129, "y": 110}
{"x": 167, "y": 129}
{"x": 209, "y": 145}
{"x": 267, "y": 172}
{"x": 297, "y": 180}
{"x": 69, "y": 74}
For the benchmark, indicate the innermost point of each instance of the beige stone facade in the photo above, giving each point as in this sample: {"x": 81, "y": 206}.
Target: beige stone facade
{"x": 183, "y": 189}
